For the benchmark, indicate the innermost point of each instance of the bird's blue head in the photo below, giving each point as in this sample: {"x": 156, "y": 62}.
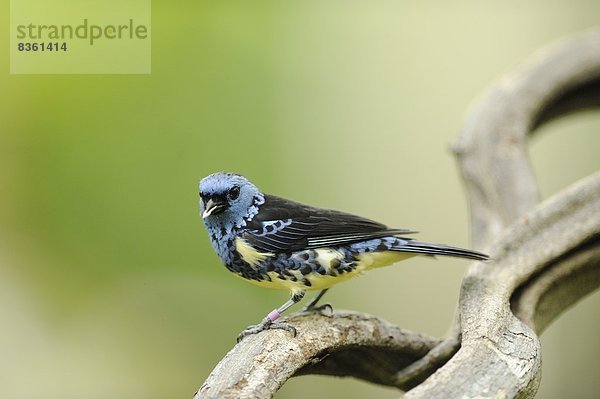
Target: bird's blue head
{"x": 228, "y": 200}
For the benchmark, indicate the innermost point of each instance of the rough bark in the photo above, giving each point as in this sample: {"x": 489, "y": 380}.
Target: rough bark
{"x": 544, "y": 258}
{"x": 500, "y": 354}
{"x": 346, "y": 344}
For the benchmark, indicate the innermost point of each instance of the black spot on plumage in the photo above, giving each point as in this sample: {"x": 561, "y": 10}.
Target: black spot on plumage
{"x": 382, "y": 247}
{"x": 335, "y": 263}
{"x": 293, "y": 278}
{"x": 281, "y": 277}
{"x": 305, "y": 270}
{"x": 307, "y": 283}
{"x": 213, "y": 236}
{"x": 321, "y": 270}
{"x": 297, "y": 297}
{"x": 304, "y": 256}
{"x": 270, "y": 267}
{"x": 223, "y": 231}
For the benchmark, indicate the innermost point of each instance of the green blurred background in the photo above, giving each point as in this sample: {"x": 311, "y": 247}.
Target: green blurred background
{"x": 108, "y": 285}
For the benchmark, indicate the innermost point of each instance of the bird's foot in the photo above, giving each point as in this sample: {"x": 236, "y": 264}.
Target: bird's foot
{"x": 325, "y": 309}
{"x": 267, "y": 324}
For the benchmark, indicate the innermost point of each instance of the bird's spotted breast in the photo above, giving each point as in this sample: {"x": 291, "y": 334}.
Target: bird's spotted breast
{"x": 314, "y": 269}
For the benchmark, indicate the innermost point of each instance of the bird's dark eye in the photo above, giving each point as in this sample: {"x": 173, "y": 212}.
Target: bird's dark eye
{"x": 234, "y": 192}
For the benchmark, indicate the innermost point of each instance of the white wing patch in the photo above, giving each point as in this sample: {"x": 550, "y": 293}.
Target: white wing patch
{"x": 250, "y": 255}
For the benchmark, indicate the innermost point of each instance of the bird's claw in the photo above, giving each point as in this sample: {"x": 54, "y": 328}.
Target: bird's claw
{"x": 269, "y": 325}
{"x": 325, "y": 309}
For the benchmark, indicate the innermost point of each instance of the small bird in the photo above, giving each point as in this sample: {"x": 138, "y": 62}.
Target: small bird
{"x": 277, "y": 243}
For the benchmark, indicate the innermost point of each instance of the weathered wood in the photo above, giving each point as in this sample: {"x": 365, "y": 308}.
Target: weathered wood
{"x": 543, "y": 297}
{"x": 492, "y": 148}
{"x": 500, "y": 354}
{"x": 544, "y": 258}
{"x": 346, "y": 344}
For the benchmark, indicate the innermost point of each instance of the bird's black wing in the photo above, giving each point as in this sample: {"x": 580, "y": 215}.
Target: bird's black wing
{"x": 282, "y": 225}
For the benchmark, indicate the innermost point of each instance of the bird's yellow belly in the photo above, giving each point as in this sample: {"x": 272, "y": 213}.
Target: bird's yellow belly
{"x": 317, "y": 281}
{"x": 363, "y": 263}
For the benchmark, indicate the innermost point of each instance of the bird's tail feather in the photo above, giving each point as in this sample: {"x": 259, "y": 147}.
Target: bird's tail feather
{"x": 426, "y": 248}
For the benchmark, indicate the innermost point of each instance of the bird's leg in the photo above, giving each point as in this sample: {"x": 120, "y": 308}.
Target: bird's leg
{"x": 269, "y": 322}
{"x": 312, "y": 306}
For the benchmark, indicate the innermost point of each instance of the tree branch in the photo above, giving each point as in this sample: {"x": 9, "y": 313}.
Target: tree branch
{"x": 346, "y": 344}
{"x": 542, "y": 298}
{"x": 499, "y": 354}
{"x": 492, "y": 148}
{"x": 545, "y": 257}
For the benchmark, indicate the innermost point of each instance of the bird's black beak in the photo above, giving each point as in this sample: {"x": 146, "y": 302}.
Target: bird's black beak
{"x": 214, "y": 206}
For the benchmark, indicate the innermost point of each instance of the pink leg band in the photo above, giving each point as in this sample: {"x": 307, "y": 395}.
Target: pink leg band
{"x": 274, "y": 315}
